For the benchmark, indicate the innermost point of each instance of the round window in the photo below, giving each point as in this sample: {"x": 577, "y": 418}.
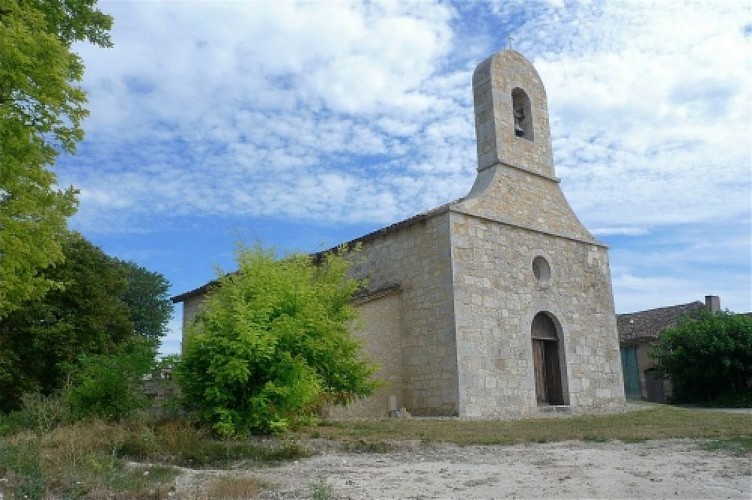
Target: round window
{"x": 541, "y": 269}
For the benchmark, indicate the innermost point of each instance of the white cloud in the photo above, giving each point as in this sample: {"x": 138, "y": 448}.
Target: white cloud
{"x": 234, "y": 97}
{"x": 361, "y": 113}
{"x": 659, "y": 111}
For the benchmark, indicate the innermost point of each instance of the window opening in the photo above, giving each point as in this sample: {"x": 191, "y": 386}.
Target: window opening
{"x": 541, "y": 269}
{"x": 522, "y": 114}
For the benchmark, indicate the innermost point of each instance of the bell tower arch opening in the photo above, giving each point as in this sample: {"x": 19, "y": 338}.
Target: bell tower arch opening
{"x": 523, "y": 115}
{"x": 548, "y": 361}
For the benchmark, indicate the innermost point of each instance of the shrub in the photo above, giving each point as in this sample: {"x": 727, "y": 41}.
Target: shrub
{"x": 107, "y": 385}
{"x": 273, "y": 343}
{"x": 707, "y": 355}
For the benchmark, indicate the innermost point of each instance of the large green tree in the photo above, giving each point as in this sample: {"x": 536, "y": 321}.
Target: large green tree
{"x": 147, "y": 298}
{"x": 707, "y": 355}
{"x": 89, "y": 315}
{"x": 41, "y": 109}
{"x": 273, "y": 343}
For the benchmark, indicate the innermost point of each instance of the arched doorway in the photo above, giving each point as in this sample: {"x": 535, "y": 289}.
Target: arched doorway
{"x": 546, "y": 361}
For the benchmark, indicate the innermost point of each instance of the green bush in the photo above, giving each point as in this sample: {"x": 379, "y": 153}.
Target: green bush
{"x": 272, "y": 344}
{"x": 107, "y": 385}
{"x": 739, "y": 399}
{"x": 707, "y": 355}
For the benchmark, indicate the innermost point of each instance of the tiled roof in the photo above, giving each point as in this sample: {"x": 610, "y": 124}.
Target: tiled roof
{"x": 195, "y": 292}
{"x": 649, "y": 324}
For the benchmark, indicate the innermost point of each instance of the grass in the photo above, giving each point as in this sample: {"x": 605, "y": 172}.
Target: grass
{"x": 234, "y": 487}
{"x": 178, "y": 442}
{"x": 95, "y": 459}
{"x": 138, "y": 458}
{"x": 659, "y": 422}
{"x": 740, "y": 445}
{"x": 77, "y": 461}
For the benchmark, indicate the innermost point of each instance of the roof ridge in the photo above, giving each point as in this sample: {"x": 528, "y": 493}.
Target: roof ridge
{"x": 677, "y": 306}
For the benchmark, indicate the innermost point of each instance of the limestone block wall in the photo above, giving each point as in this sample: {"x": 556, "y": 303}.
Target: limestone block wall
{"x": 191, "y": 306}
{"x": 417, "y": 257}
{"x": 496, "y": 297}
{"x": 381, "y": 338}
{"x": 509, "y": 194}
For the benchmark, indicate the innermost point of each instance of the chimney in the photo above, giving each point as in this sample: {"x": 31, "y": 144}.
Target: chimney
{"x": 713, "y": 303}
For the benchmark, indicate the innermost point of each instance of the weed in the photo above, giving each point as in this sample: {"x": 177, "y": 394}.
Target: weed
{"x": 234, "y": 487}
{"x": 44, "y": 413}
{"x": 368, "y": 446}
{"x": 633, "y": 439}
{"x": 739, "y": 445}
{"x": 595, "y": 439}
{"x": 321, "y": 489}
{"x": 38, "y": 413}
{"x": 10, "y": 423}
{"x": 21, "y": 462}
{"x": 180, "y": 443}
{"x": 291, "y": 449}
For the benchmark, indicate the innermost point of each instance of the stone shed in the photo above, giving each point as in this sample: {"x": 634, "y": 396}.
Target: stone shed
{"x": 498, "y": 304}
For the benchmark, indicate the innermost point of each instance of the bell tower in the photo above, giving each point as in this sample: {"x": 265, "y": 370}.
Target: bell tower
{"x": 511, "y": 115}
{"x": 515, "y": 181}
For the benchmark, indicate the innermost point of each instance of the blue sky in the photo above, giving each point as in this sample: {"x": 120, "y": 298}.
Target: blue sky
{"x": 304, "y": 125}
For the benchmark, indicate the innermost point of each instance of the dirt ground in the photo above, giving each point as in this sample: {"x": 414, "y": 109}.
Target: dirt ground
{"x": 573, "y": 469}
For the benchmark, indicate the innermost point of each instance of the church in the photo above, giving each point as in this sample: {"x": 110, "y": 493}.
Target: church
{"x": 499, "y": 304}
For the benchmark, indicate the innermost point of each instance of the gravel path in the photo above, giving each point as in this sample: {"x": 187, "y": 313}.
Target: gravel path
{"x": 573, "y": 469}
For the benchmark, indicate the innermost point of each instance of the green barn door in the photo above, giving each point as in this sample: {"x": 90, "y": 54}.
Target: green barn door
{"x": 631, "y": 372}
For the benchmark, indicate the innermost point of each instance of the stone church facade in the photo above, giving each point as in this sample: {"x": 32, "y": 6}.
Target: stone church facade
{"x": 498, "y": 304}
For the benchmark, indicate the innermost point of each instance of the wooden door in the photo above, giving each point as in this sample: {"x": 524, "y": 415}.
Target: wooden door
{"x": 539, "y": 364}
{"x": 631, "y": 372}
{"x": 654, "y": 386}
{"x": 553, "y": 374}
{"x": 546, "y": 363}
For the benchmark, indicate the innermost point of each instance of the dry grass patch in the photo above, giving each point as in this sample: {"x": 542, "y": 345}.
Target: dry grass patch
{"x": 77, "y": 461}
{"x": 234, "y": 487}
{"x": 94, "y": 459}
{"x": 659, "y": 422}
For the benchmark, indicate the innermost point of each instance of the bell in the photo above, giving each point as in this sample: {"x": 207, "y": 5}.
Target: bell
{"x": 518, "y": 131}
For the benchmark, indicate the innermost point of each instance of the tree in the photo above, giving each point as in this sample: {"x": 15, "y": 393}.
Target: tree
{"x": 43, "y": 337}
{"x": 707, "y": 355}
{"x": 147, "y": 297}
{"x": 272, "y": 344}
{"x": 41, "y": 109}
{"x": 43, "y": 341}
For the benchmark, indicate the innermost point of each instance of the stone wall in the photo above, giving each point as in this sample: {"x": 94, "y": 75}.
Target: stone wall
{"x": 416, "y": 256}
{"x": 496, "y": 297}
{"x": 191, "y": 306}
{"x": 511, "y": 195}
{"x": 380, "y": 333}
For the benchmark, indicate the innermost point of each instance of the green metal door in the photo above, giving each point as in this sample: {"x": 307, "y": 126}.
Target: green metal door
{"x": 631, "y": 372}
